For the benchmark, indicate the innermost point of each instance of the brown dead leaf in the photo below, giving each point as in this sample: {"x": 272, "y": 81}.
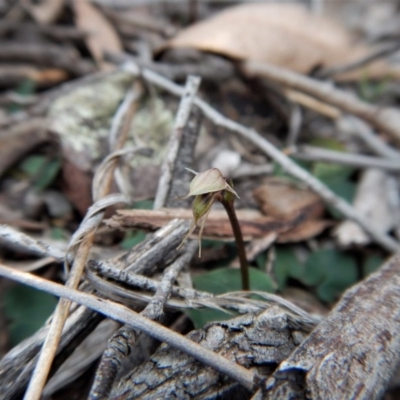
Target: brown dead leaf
{"x": 283, "y": 200}
{"x": 286, "y": 35}
{"x": 306, "y": 230}
{"x": 45, "y": 12}
{"x": 102, "y": 35}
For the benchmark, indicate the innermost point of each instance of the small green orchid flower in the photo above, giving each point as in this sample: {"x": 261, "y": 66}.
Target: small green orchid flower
{"x": 209, "y": 181}
{"x": 206, "y": 187}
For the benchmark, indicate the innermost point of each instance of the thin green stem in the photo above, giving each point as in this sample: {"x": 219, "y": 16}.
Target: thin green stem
{"x": 227, "y": 201}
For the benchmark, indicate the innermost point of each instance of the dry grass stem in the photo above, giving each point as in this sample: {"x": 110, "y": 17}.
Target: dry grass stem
{"x": 312, "y": 153}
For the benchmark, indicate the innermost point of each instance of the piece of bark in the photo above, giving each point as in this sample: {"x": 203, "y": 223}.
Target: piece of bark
{"x": 354, "y": 352}
{"x": 258, "y": 342}
{"x": 253, "y": 224}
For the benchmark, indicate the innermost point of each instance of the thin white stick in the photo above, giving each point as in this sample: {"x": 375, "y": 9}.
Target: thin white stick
{"x": 361, "y": 129}
{"x": 123, "y": 314}
{"x": 26, "y": 243}
{"x": 312, "y": 153}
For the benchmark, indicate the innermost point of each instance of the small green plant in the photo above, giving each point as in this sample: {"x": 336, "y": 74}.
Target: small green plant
{"x": 208, "y": 187}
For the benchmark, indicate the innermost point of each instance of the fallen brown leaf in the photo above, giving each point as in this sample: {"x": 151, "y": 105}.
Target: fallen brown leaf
{"x": 304, "y": 231}
{"x": 282, "y": 199}
{"x": 285, "y": 35}
{"x": 102, "y": 36}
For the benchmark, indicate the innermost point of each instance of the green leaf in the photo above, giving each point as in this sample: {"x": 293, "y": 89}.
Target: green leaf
{"x": 287, "y": 266}
{"x": 26, "y": 88}
{"x": 211, "y": 243}
{"x": 280, "y": 171}
{"x": 331, "y": 272}
{"x": 32, "y": 165}
{"x": 316, "y": 267}
{"x": 47, "y": 174}
{"x": 144, "y": 204}
{"x": 132, "y": 238}
{"x": 27, "y": 309}
{"x": 371, "y": 264}
{"x": 41, "y": 169}
{"x": 261, "y": 260}
{"x": 332, "y": 172}
{"x": 371, "y": 90}
{"x": 221, "y": 281}
{"x": 337, "y": 178}
{"x": 58, "y": 233}
{"x": 328, "y": 143}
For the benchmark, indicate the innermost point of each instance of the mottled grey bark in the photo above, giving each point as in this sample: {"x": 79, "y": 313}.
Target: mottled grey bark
{"x": 258, "y": 342}
{"x": 354, "y": 352}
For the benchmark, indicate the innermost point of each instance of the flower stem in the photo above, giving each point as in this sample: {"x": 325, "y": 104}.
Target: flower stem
{"x": 227, "y": 201}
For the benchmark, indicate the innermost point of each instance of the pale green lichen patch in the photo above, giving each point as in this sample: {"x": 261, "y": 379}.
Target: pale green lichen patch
{"x": 152, "y": 127}
{"x": 82, "y": 118}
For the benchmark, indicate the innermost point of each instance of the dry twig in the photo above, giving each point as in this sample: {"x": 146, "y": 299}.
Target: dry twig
{"x": 312, "y": 153}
